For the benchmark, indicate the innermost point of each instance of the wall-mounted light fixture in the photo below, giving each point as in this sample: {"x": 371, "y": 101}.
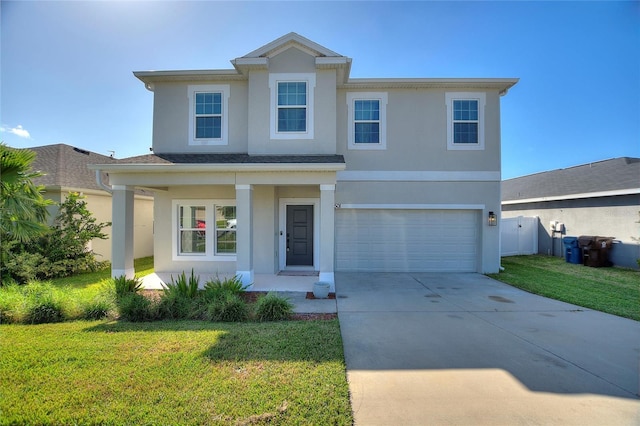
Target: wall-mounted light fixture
{"x": 493, "y": 219}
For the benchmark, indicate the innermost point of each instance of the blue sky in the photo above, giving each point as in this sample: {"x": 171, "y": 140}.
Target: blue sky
{"x": 66, "y": 67}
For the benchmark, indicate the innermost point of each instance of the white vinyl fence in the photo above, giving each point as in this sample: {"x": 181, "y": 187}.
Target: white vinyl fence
{"x": 519, "y": 236}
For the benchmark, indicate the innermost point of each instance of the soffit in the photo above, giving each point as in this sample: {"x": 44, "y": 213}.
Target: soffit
{"x": 500, "y": 84}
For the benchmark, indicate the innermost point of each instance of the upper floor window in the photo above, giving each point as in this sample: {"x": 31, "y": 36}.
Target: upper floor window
{"x": 367, "y": 120}
{"x": 292, "y": 105}
{"x": 465, "y": 120}
{"x": 208, "y": 117}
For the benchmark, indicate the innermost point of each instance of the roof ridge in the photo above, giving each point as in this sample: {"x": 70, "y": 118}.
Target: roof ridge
{"x": 626, "y": 159}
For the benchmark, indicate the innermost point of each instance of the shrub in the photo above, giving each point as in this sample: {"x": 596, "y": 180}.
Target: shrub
{"x": 45, "y": 311}
{"x": 61, "y": 252}
{"x": 174, "y": 305}
{"x": 273, "y": 308}
{"x": 124, "y": 286}
{"x": 45, "y": 303}
{"x": 135, "y": 307}
{"x": 184, "y": 287}
{"x": 216, "y": 288}
{"x": 228, "y": 308}
{"x": 12, "y": 304}
{"x": 96, "y": 309}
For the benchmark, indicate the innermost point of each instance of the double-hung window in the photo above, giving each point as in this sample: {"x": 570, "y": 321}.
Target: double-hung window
{"x": 292, "y": 105}
{"x": 465, "y": 121}
{"x": 367, "y": 120}
{"x": 225, "y": 229}
{"x": 204, "y": 230}
{"x": 192, "y": 230}
{"x": 208, "y": 116}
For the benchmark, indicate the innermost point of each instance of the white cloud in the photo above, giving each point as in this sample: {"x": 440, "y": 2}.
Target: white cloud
{"x": 18, "y": 131}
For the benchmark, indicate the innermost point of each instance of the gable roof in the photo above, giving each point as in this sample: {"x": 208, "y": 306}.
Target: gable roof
{"x": 617, "y": 176}
{"x": 288, "y": 40}
{"x": 66, "y": 166}
{"x": 324, "y": 59}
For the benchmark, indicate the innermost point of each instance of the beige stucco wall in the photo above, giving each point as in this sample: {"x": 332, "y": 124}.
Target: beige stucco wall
{"x": 171, "y": 118}
{"x": 605, "y": 216}
{"x": 416, "y": 141}
{"x": 266, "y": 226}
{"x": 417, "y": 135}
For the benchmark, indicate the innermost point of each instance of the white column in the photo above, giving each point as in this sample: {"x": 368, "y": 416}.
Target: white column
{"x": 122, "y": 231}
{"x": 327, "y": 233}
{"x": 244, "y": 233}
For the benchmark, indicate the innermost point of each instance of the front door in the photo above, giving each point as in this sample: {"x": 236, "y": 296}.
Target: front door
{"x": 299, "y": 235}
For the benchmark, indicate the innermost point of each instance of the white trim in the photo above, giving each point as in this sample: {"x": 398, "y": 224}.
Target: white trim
{"x": 282, "y": 240}
{"x": 122, "y": 188}
{"x": 227, "y": 167}
{"x": 327, "y": 187}
{"x": 382, "y": 97}
{"x": 416, "y": 176}
{"x": 247, "y": 278}
{"x": 210, "y": 253}
{"x": 225, "y": 89}
{"x": 481, "y": 98}
{"x": 128, "y": 272}
{"x": 413, "y": 206}
{"x": 245, "y": 187}
{"x": 613, "y": 193}
{"x": 274, "y": 79}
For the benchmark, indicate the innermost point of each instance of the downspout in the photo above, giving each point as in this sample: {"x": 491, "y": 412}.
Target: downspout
{"x": 101, "y": 184}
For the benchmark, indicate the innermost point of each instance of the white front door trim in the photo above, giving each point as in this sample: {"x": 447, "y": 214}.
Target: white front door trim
{"x": 282, "y": 232}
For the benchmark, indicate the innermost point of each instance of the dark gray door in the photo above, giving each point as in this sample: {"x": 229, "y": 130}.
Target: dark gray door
{"x": 299, "y": 235}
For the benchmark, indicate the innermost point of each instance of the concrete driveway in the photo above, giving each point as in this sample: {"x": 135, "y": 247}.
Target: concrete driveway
{"x": 463, "y": 349}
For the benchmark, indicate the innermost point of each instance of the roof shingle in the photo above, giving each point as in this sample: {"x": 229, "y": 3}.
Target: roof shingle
{"x": 607, "y": 175}
{"x": 66, "y": 166}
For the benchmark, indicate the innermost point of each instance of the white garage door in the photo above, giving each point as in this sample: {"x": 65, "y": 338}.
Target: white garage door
{"x": 406, "y": 240}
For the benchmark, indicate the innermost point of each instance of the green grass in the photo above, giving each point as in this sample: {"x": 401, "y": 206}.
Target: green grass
{"x": 174, "y": 372}
{"x": 91, "y": 282}
{"x": 612, "y": 290}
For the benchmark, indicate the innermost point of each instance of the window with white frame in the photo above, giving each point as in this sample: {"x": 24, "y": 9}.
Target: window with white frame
{"x": 465, "y": 120}
{"x": 208, "y": 116}
{"x": 204, "y": 229}
{"x": 367, "y": 115}
{"x": 225, "y": 229}
{"x": 292, "y": 105}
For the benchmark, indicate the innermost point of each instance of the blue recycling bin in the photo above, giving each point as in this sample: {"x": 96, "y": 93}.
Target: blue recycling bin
{"x": 572, "y": 251}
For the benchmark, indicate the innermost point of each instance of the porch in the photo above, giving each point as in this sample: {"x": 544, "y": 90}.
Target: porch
{"x": 262, "y": 282}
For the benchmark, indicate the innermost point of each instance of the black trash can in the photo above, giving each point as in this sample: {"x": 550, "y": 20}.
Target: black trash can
{"x": 595, "y": 250}
{"x": 572, "y": 251}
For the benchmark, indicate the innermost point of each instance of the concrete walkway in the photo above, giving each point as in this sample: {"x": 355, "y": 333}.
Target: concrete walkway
{"x": 463, "y": 349}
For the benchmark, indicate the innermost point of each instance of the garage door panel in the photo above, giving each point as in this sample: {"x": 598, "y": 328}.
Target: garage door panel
{"x": 406, "y": 240}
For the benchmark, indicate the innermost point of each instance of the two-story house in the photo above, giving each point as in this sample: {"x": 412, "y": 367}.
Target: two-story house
{"x": 286, "y": 163}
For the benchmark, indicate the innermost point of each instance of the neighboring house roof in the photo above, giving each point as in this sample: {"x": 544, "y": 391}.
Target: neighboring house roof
{"x": 617, "y": 176}
{"x": 66, "y": 166}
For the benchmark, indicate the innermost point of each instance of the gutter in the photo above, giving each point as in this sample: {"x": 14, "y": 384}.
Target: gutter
{"x": 101, "y": 184}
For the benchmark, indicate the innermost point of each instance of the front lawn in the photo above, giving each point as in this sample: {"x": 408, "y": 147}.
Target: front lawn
{"x": 90, "y": 281}
{"x": 173, "y": 372}
{"x": 612, "y": 290}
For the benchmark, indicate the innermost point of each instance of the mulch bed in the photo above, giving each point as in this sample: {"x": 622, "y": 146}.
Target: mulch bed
{"x": 311, "y": 296}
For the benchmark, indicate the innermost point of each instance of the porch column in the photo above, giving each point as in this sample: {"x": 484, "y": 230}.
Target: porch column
{"x": 122, "y": 231}
{"x": 327, "y": 233}
{"x": 244, "y": 233}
